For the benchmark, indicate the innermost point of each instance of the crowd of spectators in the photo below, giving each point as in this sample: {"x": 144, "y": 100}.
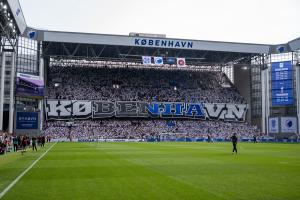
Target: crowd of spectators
{"x": 12, "y": 142}
{"x": 76, "y": 82}
{"x": 145, "y": 129}
{"x": 126, "y": 84}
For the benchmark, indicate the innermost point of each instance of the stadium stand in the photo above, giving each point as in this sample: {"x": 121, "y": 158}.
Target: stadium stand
{"x": 146, "y": 129}
{"x": 119, "y": 84}
{"x": 108, "y": 83}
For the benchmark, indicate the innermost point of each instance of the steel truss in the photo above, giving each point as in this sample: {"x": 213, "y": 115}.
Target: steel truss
{"x": 8, "y": 31}
{"x": 60, "y": 50}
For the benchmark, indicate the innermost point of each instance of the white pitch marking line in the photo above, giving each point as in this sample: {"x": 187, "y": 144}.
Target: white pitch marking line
{"x": 23, "y": 173}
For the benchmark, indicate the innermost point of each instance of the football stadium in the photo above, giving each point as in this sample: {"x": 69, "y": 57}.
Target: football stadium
{"x": 145, "y": 116}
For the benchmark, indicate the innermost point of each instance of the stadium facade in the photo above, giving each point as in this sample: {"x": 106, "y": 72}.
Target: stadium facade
{"x": 267, "y": 76}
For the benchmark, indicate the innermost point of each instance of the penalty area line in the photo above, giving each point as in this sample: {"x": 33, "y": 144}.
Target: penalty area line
{"x": 23, "y": 173}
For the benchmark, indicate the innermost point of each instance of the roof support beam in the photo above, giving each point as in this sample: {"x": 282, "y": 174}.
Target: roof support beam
{"x": 75, "y": 50}
{"x": 66, "y": 49}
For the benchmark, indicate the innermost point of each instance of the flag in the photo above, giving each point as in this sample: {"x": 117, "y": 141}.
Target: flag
{"x": 146, "y": 60}
{"x": 171, "y": 61}
{"x": 158, "y": 61}
{"x": 180, "y": 62}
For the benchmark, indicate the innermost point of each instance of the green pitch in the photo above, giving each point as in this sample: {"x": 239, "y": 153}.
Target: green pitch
{"x": 154, "y": 171}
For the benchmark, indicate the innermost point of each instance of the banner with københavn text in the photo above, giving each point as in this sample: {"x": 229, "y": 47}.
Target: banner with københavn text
{"x": 80, "y": 109}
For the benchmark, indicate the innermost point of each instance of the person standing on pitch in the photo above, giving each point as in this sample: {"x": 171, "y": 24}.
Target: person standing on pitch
{"x": 254, "y": 139}
{"x": 208, "y": 138}
{"x": 15, "y": 143}
{"x": 34, "y": 143}
{"x": 234, "y": 140}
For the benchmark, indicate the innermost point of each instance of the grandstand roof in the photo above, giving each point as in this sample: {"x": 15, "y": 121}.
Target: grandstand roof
{"x": 91, "y": 45}
{"x": 18, "y": 16}
{"x": 295, "y": 44}
{"x": 121, "y": 40}
{"x": 96, "y": 46}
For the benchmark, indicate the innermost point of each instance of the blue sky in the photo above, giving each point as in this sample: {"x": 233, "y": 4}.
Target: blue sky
{"x": 253, "y": 21}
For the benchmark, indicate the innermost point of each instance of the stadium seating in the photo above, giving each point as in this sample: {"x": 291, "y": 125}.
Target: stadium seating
{"x": 119, "y": 84}
{"x": 145, "y": 129}
{"x": 126, "y": 84}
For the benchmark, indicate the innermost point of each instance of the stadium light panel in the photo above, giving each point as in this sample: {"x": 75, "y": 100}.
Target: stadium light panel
{"x": 116, "y": 86}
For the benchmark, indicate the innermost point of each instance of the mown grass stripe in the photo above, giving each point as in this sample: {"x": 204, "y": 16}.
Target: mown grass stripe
{"x": 23, "y": 173}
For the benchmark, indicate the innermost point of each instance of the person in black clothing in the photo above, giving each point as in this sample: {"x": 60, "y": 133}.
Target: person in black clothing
{"x": 234, "y": 140}
{"x": 254, "y": 139}
{"x": 208, "y": 138}
{"x": 43, "y": 140}
{"x": 2, "y": 147}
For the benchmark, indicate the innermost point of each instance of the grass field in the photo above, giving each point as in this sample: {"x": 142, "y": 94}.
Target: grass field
{"x": 154, "y": 171}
